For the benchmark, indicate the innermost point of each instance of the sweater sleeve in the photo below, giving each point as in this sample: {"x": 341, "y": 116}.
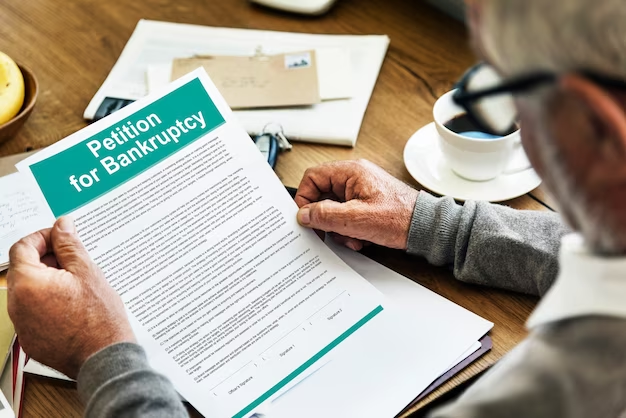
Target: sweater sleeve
{"x": 117, "y": 381}
{"x": 573, "y": 368}
{"x": 488, "y": 244}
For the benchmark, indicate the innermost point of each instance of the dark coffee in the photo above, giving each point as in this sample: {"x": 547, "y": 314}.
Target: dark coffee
{"x": 462, "y": 124}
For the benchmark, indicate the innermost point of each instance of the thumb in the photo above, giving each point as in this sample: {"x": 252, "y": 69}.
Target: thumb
{"x": 69, "y": 250}
{"x": 331, "y": 216}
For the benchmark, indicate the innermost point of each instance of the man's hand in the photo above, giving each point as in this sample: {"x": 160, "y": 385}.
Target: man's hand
{"x": 61, "y": 305}
{"x": 357, "y": 200}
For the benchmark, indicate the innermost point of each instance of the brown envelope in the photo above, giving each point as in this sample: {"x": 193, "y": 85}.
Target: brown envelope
{"x": 259, "y": 81}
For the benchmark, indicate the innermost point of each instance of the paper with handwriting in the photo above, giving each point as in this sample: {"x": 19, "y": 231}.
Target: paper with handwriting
{"x": 22, "y": 211}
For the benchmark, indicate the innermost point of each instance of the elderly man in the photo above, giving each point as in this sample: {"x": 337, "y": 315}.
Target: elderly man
{"x": 572, "y": 105}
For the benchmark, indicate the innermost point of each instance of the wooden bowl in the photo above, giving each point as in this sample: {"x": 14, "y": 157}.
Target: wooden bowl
{"x": 31, "y": 89}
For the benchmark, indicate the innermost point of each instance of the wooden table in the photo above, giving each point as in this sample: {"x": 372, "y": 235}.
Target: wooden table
{"x": 72, "y": 45}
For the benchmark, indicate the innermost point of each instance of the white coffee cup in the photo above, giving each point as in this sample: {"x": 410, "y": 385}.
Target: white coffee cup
{"x": 475, "y": 158}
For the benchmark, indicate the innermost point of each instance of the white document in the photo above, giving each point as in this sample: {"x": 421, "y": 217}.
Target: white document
{"x": 334, "y": 122}
{"x": 6, "y": 379}
{"x": 5, "y": 407}
{"x": 243, "y": 309}
{"x": 334, "y": 74}
{"x": 400, "y": 375}
{"x": 378, "y": 372}
{"x": 36, "y": 368}
{"x": 231, "y": 298}
{"x": 158, "y": 76}
{"x": 465, "y": 355}
{"x": 22, "y": 212}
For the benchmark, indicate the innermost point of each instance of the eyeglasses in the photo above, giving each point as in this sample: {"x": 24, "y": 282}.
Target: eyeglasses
{"x": 488, "y": 100}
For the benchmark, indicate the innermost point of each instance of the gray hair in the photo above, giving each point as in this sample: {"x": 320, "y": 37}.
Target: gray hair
{"x": 556, "y": 35}
{"x": 521, "y": 36}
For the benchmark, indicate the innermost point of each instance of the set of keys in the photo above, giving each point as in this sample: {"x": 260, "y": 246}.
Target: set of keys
{"x": 271, "y": 142}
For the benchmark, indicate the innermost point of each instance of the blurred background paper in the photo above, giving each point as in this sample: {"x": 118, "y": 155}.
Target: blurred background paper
{"x": 155, "y": 44}
{"x": 258, "y": 81}
{"x": 333, "y": 74}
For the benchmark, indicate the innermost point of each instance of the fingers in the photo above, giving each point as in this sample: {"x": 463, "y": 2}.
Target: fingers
{"x": 315, "y": 184}
{"x": 30, "y": 249}
{"x": 50, "y": 261}
{"x": 69, "y": 250}
{"x": 325, "y": 179}
{"x": 331, "y": 216}
{"x": 352, "y": 243}
{"x": 27, "y": 269}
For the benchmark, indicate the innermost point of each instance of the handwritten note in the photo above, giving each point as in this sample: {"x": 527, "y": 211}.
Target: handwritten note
{"x": 22, "y": 211}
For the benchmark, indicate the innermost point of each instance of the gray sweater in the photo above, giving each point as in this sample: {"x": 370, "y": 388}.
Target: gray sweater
{"x": 484, "y": 244}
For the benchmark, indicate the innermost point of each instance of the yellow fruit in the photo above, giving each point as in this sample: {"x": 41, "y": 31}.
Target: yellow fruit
{"x": 11, "y": 88}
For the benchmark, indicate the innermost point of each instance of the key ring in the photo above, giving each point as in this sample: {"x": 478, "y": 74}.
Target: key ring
{"x": 279, "y": 134}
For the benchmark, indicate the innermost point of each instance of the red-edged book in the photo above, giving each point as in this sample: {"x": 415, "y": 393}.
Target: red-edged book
{"x": 19, "y": 361}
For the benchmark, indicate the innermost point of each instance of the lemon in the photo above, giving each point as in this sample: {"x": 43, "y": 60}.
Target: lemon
{"x": 11, "y": 88}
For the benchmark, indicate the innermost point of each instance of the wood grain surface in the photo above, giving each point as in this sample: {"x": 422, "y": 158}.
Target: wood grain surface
{"x": 72, "y": 45}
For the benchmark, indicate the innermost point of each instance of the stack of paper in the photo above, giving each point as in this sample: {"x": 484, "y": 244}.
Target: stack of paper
{"x": 154, "y": 45}
{"x": 258, "y": 314}
{"x": 413, "y": 301}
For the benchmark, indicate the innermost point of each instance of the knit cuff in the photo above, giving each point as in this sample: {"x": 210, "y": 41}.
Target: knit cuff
{"x": 434, "y": 228}
{"x": 107, "y": 364}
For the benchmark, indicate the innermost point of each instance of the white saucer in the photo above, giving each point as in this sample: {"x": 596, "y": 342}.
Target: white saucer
{"x": 426, "y": 164}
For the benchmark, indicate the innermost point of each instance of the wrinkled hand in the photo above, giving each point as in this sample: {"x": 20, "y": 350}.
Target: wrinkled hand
{"x": 61, "y": 305}
{"x": 357, "y": 200}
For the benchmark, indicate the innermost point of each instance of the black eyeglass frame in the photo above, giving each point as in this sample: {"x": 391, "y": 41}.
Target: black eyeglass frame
{"x": 465, "y": 98}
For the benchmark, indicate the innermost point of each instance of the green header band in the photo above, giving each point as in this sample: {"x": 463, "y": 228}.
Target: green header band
{"x": 118, "y": 153}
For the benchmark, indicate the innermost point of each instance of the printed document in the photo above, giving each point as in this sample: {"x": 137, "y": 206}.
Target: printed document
{"x": 231, "y": 298}
{"x": 378, "y": 371}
